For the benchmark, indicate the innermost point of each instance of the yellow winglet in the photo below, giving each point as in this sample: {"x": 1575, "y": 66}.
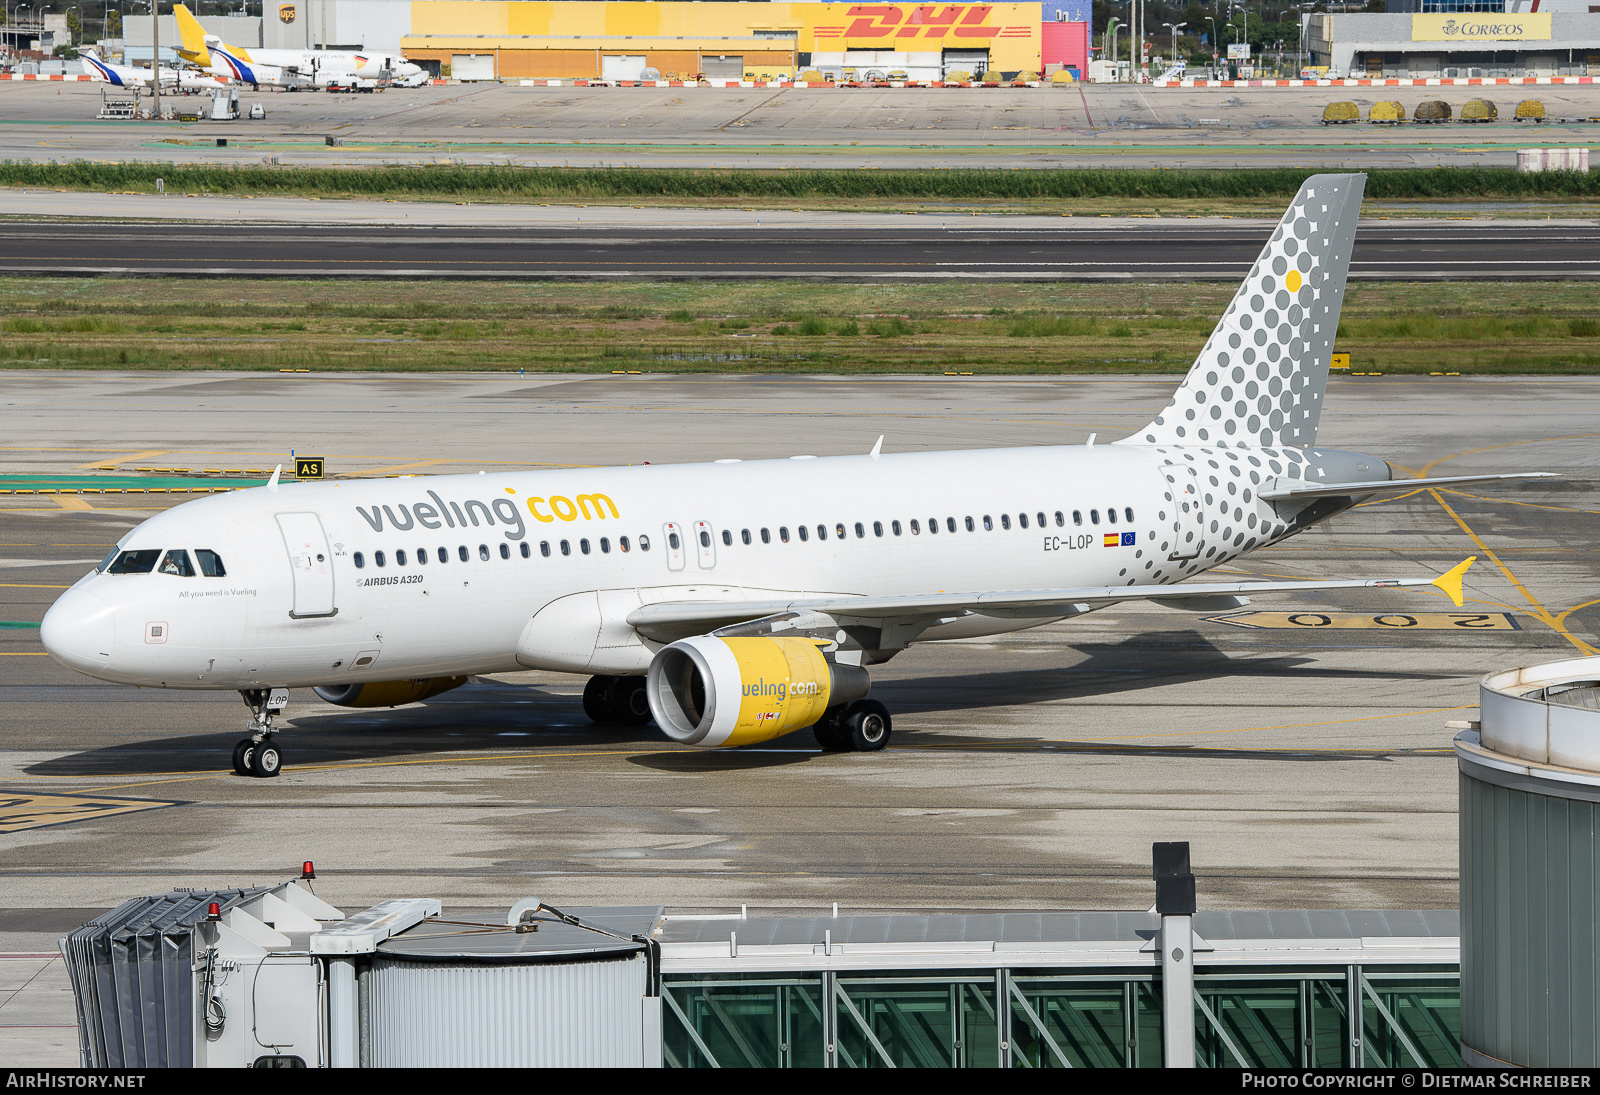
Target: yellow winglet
{"x": 1450, "y": 581}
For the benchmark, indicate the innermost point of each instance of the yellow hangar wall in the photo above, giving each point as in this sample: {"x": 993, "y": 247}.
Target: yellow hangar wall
{"x": 567, "y": 39}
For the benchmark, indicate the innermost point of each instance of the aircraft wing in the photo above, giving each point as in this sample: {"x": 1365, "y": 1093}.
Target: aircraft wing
{"x": 1285, "y": 490}
{"x": 1040, "y": 602}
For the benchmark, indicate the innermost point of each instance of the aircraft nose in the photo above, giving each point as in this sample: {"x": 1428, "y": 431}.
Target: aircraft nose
{"x": 78, "y": 631}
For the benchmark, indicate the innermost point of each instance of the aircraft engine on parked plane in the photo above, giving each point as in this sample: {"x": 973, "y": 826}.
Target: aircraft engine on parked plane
{"x": 738, "y": 691}
{"x": 387, "y": 693}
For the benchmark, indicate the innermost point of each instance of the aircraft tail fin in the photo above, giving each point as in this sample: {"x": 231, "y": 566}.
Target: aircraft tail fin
{"x": 1262, "y": 375}
{"x": 193, "y": 37}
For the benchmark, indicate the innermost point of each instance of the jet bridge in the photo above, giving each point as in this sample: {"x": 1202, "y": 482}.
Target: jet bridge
{"x": 276, "y": 977}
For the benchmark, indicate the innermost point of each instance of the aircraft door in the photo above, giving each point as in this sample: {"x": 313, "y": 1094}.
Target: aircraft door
{"x": 311, "y": 564}
{"x": 673, "y": 533}
{"x": 705, "y": 544}
{"x": 1188, "y": 518}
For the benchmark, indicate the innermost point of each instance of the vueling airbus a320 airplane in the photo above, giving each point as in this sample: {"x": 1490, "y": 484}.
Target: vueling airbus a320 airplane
{"x": 733, "y": 601}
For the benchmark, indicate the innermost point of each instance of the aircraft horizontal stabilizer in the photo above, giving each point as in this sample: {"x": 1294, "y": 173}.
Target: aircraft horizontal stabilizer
{"x": 1286, "y": 493}
{"x": 712, "y": 614}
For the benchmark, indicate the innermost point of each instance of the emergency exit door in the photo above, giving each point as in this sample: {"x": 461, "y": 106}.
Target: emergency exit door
{"x": 310, "y": 565}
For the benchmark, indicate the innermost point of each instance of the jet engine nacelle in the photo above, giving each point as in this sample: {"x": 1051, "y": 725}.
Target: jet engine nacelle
{"x": 737, "y": 691}
{"x": 387, "y": 693}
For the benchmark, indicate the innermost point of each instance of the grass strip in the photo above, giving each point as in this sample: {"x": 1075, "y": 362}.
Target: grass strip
{"x": 271, "y": 326}
{"x": 965, "y": 185}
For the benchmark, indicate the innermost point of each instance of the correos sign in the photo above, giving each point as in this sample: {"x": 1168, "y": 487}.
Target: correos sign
{"x": 1479, "y": 27}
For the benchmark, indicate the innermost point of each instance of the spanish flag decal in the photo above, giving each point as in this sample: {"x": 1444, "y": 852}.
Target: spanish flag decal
{"x": 1112, "y": 539}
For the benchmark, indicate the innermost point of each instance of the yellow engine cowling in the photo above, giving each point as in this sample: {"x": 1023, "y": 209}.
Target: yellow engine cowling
{"x": 387, "y": 693}
{"x": 737, "y": 691}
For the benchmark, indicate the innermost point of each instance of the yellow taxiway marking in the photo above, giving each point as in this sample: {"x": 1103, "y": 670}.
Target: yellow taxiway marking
{"x": 1382, "y": 621}
{"x": 1504, "y": 445}
{"x": 28, "y": 585}
{"x": 26, "y": 810}
{"x": 128, "y": 459}
{"x": 71, "y": 501}
{"x": 24, "y": 653}
{"x": 1514, "y": 502}
{"x": 1556, "y": 623}
{"x": 392, "y": 468}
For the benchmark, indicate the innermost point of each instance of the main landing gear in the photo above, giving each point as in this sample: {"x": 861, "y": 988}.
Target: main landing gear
{"x": 862, "y": 727}
{"x": 616, "y": 700}
{"x": 258, "y": 755}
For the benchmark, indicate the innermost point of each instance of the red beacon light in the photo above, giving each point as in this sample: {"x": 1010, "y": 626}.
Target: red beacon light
{"x": 214, "y": 911}
{"x": 308, "y": 870}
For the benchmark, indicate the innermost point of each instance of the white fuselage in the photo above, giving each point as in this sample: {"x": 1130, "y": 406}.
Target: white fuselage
{"x": 555, "y": 560}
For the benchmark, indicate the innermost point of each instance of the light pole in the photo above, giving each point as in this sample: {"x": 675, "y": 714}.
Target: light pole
{"x": 1111, "y": 44}
{"x": 1174, "y": 28}
{"x": 1212, "y": 19}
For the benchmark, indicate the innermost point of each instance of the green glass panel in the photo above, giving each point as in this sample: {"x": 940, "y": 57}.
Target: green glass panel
{"x": 916, "y": 1023}
{"x": 743, "y": 1022}
{"x": 1272, "y": 1023}
{"x": 1427, "y": 1009}
{"x": 1087, "y": 1022}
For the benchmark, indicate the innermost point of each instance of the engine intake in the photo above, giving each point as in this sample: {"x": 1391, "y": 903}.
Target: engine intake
{"x": 737, "y": 691}
{"x": 387, "y": 693}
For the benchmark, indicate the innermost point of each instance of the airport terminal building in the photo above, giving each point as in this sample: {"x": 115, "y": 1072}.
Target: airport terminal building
{"x": 1444, "y": 39}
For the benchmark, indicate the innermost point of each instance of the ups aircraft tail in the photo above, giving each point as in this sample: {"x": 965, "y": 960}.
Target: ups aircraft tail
{"x": 1261, "y": 377}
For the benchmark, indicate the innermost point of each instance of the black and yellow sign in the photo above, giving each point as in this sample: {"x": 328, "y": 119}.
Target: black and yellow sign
{"x": 1378, "y": 621}
{"x": 1340, "y": 361}
{"x": 308, "y": 467}
{"x": 286, "y": 13}
{"x": 23, "y": 810}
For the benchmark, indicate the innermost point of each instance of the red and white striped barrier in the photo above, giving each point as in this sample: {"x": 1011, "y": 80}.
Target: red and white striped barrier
{"x": 1460, "y": 81}
{"x": 31, "y": 76}
{"x": 756, "y": 83}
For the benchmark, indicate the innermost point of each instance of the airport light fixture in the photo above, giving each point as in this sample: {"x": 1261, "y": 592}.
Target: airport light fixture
{"x": 1174, "y": 28}
{"x": 1111, "y": 43}
{"x": 1212, "y": 19}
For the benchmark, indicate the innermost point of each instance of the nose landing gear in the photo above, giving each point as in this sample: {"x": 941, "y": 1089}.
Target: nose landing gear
{"x": 257, "y": 755}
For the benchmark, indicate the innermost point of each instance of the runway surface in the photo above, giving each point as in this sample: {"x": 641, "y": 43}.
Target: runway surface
{"x": 1083, "y": 125}
{"x": 806, "y": 246}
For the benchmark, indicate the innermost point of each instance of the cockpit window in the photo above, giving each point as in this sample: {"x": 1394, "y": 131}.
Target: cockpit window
{"x": 136, "y": 562}
{"x": 177, "y": 562}
{"x": 108, "y": 560}
{"x": 210, "y": 563}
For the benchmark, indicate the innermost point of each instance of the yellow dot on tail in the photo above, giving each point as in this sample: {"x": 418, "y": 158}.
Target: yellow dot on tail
{"x": 1293, "y": 281}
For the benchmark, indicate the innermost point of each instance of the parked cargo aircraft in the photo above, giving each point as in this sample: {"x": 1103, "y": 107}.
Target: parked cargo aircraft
{"x": 124, "y": 76}
{"x": 737, "y": 601}
{"x": 289, "y": 67}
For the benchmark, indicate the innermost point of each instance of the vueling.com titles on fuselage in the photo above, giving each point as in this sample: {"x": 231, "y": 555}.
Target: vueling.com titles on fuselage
{"x": 442, "y": 514}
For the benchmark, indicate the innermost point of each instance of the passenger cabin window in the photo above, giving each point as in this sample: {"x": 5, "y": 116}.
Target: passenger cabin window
{"x": 1127, "y": 511}
{"x": 583, "y": 546}
{"x": 483, "y": 552}
{"x": 210, "y": 563}
{"x": 822, "y": 532}
{"x": 1094, "y": 517}
{"x": 766, "y": 536}
{"x": 916, "y": 527}
{"x": 544, "y": 548}
{"x": 838, "y": 530}
{"x": 1061, "y": 519}
{"x": 727, "y": 538}
{"x": 359, "y": 559}
{"x": 877, "y": 528}
{"x": 400, "y": 557}
{"x": 805, "y": 533}
{"x": 422, "y": 556}
{"x": 744, "y": 535}
{"x": 566, "y": 547}
{"x": 971, "y": 526}
{"x": 177, "y": 562}
{"x": 1022, "y": 521}
{"x": 950, "y": 523}
{"x": 705, "y": 538}
{"x": 672, "y": 541}
{"x": 505, "y": 551}
{"x": 527, "y": 552}
{"x": 444, "y": 555}
{"x": 461, "y": 550}
{"x": 622, "y": 545}
{"x": 605, "y": 545}
{"x": 894, "y": 526}
{"x": 644, "y": 543}
{"x": 783, "y": 533}
{"x": 1077, "y": 517}
{"x": 933, "y": 525}
{"x": 377, "y": 558}
{"x": 1111, "y": 515}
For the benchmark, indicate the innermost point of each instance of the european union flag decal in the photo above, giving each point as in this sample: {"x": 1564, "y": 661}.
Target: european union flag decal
{"x": 1127, "y": 539}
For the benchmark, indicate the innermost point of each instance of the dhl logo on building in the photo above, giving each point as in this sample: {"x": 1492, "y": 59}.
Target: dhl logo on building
{"x": 907, "y": 21}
